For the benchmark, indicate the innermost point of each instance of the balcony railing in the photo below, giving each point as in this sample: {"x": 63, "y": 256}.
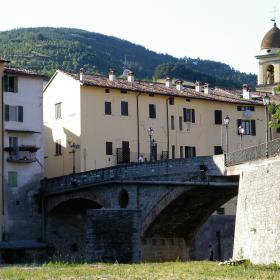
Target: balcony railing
{"x": 22, "y": 157}
{"x": 253, "y": 153}
{"x": 133, "y": 157}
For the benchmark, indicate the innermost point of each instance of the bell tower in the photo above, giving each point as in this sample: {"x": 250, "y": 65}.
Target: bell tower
{"x": 269, "y": 61}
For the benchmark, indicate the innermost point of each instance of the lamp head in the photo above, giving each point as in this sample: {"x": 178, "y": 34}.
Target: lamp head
{"x": 266, "y": 100}
{"x": 226, "y": 120}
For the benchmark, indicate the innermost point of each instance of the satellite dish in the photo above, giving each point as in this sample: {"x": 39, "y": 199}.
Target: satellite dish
{"x": 247, "y": 113}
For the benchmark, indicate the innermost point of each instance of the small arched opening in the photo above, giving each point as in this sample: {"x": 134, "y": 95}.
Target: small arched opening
{"x": 123, "y": 198}
{"x": 270, "y": 74}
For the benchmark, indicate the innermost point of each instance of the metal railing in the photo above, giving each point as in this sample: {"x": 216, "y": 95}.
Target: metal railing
{"x": 253, "y": 153}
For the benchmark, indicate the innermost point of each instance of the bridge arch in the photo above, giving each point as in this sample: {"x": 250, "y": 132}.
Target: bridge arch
{"x": 183, "y": 210}
{"x": 89, "y": 197}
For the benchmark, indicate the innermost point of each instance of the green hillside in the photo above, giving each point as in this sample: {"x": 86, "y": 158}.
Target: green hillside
{"x": 46, "y": 49}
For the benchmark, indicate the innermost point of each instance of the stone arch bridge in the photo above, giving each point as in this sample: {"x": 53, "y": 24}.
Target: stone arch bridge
{"x": 108, "y": 214}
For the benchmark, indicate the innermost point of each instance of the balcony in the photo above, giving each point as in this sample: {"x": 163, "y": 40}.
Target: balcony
{"x": 125, "y": 156}
{"x": 22, "y": 154}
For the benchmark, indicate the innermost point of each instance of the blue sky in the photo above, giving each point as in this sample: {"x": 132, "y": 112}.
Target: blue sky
{"x": 223, "y": 30}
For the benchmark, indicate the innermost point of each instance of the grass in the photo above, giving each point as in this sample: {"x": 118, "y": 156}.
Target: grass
{"x": 149, "y": 271}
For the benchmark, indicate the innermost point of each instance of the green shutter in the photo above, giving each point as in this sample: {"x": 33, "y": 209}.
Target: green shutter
{"x": 5, "y": 83}
{"x": 20, "y": 113}
{"x": 7, "y": 113}
{"x": 15, "y": 84}
{"x": 12, "y": 179}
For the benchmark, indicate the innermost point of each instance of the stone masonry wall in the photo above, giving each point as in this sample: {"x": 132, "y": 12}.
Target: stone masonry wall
{"x": 113, "y": 235}
{"x": 257, "y": 230}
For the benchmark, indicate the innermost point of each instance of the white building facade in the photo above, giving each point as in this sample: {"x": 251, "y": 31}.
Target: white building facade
{"x": 23, "y": 157}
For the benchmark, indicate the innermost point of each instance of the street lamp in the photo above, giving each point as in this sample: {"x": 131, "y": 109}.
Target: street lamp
{"x": 266, "y": 102}
{"x": 241, "y": 131}
{"x": 151, "y": 133}
{"x": 73, "y": 147}
{"x": 226, "y": 123}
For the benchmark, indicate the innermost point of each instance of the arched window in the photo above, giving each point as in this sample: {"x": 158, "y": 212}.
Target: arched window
{"x": 270, "y": 74}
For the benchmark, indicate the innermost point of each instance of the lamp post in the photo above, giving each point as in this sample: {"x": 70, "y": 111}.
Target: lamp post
{"x": 266, "y": 102}
{"x": 226, "y": 123}
{"x": 151, "y": 133}
{"x": 73, "y": 147}
{"x": 241, "y": 131}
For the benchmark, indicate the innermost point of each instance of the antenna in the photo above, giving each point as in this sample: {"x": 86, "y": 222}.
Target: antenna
{"x": 274, "y": 14}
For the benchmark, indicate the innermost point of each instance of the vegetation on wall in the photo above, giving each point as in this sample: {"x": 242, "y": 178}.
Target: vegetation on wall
{"x": 46, "y": 49}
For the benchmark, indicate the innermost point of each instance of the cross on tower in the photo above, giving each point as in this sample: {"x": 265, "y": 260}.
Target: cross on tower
{"x": 274, "y": 13}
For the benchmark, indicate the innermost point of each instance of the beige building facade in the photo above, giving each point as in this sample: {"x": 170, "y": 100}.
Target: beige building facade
{"x": 106, "y": 121}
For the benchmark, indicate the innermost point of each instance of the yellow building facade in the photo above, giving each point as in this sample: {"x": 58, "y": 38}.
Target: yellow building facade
{"x": 107, "y": 121}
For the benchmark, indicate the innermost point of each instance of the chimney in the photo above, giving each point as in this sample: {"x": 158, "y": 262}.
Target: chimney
{"x": 168, "y": 82}
{"x": 130, "y": 77}
{"x": 112, "y": 75}
{"x": 179, "y": 85}
{"x": 246, "y": 92}
{"x": 206, "y": 88}
{"x": 82, "y": 72}
{"x": 197, "y": 86}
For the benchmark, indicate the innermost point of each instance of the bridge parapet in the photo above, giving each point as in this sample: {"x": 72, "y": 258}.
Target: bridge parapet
{"x": 174, "y": 170}
{"x": 254, "y": 153}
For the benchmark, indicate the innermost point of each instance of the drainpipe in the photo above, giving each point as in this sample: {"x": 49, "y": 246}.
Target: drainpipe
{"x": 138, "y": 127}
{"x": 167, "y": 125}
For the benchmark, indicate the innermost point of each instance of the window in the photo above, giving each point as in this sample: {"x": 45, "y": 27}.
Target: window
{"x": 278, "y": 129}
{"x": 189, "y": 115}
{"x": 123, "y": 91}
{"x": 171, "y": 100}
{"x": 181, "y": 151}
{"x": 248, "y": 125}
{"x": 180, "y": 123}
{"x": 14, "y": 113}
{"x": 10, "y": 84}
{"x": 57, "y": 108}
{"x": 109, "y": 148}
{"x": 172, "y": 123}
{"x": 13, "y": 145}
{"x": 218, "y": 116}
{"x": 152, "y": 111}
{"x": 173, "y": 151}
{"x": 220, "y": 211}
{"x": 12, "y": 179}
{"x": 218, "y": 150}
{"x": 124, "y": 108}
{"x": 107, "y": 90}
{"x": 107, "y": 108}
{"x": 58, "y": 148}
{"x": 190, "y": 152}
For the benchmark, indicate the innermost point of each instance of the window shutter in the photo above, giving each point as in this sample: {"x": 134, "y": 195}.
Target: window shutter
{"x": 5, "y": 83}
{"x": 253, "y": 127}
{"x": 238, "y": 124}
{"x": 193, "y": 152}
{"x": 193, "y": 116}
{"x": 238, "y": 108}
{"x": 185, "y": 114}
{"x": 15, "y": 84}
{"x": 7, "y": 113}
{"x": 20, "y": 113}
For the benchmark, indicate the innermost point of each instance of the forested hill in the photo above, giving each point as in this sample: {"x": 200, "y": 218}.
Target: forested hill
{"x": 46, "y": 49}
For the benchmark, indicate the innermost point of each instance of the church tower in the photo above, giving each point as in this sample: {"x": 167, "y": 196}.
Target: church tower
{"x": 269, "y": 61}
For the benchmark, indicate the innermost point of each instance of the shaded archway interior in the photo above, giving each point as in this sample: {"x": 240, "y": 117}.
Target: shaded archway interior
{"x": 188, "y": 212}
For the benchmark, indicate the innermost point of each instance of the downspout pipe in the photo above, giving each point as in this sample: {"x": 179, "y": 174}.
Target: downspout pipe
{"x": 138, "y": 126}
{"x": 167, "y": 125}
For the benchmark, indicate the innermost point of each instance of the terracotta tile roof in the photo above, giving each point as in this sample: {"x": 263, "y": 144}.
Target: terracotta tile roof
{"x": 20, "y": 71}
{"x": 215, "y": 94}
